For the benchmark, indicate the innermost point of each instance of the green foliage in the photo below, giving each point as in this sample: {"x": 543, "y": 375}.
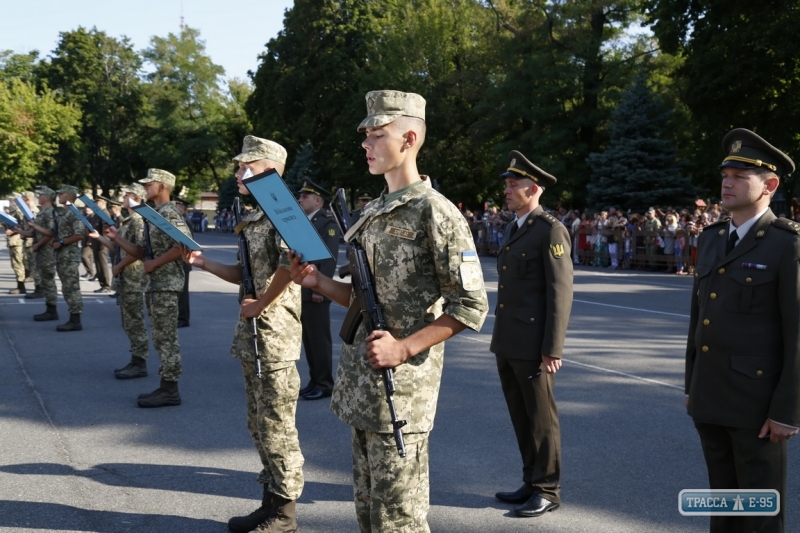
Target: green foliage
{"x": 18, "y": 66}
{"x": 227, "y": 192}
{"x": 304, "y": 167}
{"x": 31, "y": 127}
{"x": 740, "y": 70}
{"x": 639, "y": 168}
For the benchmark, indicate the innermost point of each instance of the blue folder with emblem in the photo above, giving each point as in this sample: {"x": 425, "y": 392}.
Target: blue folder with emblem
{"x": 96, "y": 209}
{"x": 77, "y": 213}
{"x": 155, "y": 218}
{"x": 26, "y": 211}
{"x": 282, "y": 209}
{"x": 8, "y": 220}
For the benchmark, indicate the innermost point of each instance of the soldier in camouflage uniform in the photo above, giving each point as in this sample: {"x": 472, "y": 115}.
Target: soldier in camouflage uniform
{"x": 429, "y": 281}
{"x": 163, "y": 283}
{"x": 271, "y": 398}
{"x": 28, "y": 197}
{"x": 44, "y": 226}
{"x": 128, "y": 283}
{"x": 68, "y": 256}
{"x": 31, "y": 262}
{"x": 16, "y": 248}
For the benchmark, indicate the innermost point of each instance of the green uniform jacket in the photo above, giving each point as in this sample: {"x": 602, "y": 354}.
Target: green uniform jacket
{"x": 743, "y": 351}
{"x": 534, "y": 291}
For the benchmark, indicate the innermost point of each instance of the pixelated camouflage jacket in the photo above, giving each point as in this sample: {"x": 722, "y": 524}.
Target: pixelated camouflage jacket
{"x": 169, "y": 277}
{"x": 278, "y": 327}
{"x": 423, "y": 259}
{"x": 69, "y": 225}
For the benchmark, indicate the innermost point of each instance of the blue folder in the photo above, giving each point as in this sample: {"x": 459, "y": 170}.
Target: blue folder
{"x": 8, "y": 220}
{"x": 26, "y": 211}
{"x": 282, "y": 209}
{"x": 96, "y": 209}
{"x": 155, "y": 218}
{"x": 82, "y": 218}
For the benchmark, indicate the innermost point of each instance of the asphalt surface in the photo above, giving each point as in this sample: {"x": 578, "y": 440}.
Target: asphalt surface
{"x": 76, "y": 454}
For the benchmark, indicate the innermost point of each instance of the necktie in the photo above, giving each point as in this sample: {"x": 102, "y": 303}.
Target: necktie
{"x": 514, "y": 228}
{"x": 732, "y": 238}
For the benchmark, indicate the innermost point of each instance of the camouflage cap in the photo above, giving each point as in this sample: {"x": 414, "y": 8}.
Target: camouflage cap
{"x": 255, "y": 148}
{"x": 134, "y": 188}
{"x": 11, "y": 197}
{"x": 161, "y": 176}
{"x": 384, "y": 107}
{"x": 28, "y": 194}
{"x": 71, "y": 189}
{"x": 745, "y": 149}
{"x": 47, "y": 191}
{"x": 520, "y": 167}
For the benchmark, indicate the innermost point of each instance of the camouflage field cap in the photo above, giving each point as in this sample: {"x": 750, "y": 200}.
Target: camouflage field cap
{"x": 47, "y": 191}
{"x": 384, "y": 107}
{"x": 28, "y": 194}
{"x": 311, "y": 187}
{"x": 745, "y": 149}
{"x": 161, "y": 176}
{"x": 255, "y": 148}
{"x": 70, "y": 189}
{"x": 520, "y": 167}
{"x": 134, "y": 188}
{"x": 11, "y": 197}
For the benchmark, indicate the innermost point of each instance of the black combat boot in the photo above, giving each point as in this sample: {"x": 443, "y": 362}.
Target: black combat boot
{"x": 51, "y": 313}
{"x": 20, "y": 288}
{"x": 73, "y": 324}
{"x": 37, "y": 293}
{"x": 166, "y": 395}
{"x": 282, "y": 518}
{"x": 243, "y": 524}
{"x": 137, "y": 368}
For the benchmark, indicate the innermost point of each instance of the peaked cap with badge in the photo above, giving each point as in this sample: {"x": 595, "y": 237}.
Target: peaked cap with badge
{"x": 745, "y": 149}
{"x": 384, "y": 107}
{"x": 311, "y": 187}
{"x": 520, "y": 167}
{"x": 365, "y": 195}
{"x": 161, "y": 176}
{"x": 255, "y": 148}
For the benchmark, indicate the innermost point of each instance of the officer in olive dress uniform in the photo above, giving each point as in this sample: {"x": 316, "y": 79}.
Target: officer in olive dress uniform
{"x": 316, "y": 314}
{"x": 743, "y": 350}
{"x": 534, "y": 300}
{"x": 184, "y": 312}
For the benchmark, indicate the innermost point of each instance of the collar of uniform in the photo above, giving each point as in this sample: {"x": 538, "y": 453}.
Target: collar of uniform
{"x": 744, "y": 228}
{"x": 312, "y": 215}
{"x": 415, "y": 190}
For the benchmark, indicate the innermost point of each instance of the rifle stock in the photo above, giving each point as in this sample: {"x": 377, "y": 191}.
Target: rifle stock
{"x": 366, "y": 308}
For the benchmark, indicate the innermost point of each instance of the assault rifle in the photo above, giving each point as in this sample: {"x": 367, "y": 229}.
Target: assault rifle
{"x": 248, "y": 285}
{"x": 365, "y": 308}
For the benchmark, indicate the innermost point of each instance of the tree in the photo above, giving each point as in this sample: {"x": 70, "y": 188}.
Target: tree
{"x": 31, "y": 127}
{"x": 639, "y": 167}
{"x": 18, "y": 66}
{"x": 738, "y": 72}
{"x": 190, "y": 127}
{"x": 304, "y": 167}
{"x": 99, "y": 75}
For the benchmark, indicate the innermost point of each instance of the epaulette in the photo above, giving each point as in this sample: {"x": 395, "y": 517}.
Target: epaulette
{"x": 721, "y": 221}
{"x": 549, "y": 218}
{"x": 786, "y": 224}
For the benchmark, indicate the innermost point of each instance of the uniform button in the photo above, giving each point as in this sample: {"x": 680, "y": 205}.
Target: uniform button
{"x": 759, "y": 373}
{"x": 696, "y": 275}
{"x": 748, "y": 280}
{"x": 721, "y": 270}
{"x": 502, "y": 286}
{"x": 713, "y": 295}
{"x": 523, "y": 255}
{"x": 705, "y": 348}
{"x": 501, "y": 306}
{"x": 532, "y": 319}
{"x": 706, "y": 322}
{"x": 504, "y": 267}
{"x": 508, "y": 248}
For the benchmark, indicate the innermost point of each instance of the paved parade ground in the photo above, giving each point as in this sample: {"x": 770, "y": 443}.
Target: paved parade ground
{"x": 76, "y": 454}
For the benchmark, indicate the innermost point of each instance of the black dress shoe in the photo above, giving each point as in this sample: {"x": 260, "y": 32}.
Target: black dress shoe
{"x": 102, "y": 289}
{"x": 183, "y": 323}
{"x": 536, "y": 506}
{"x": 308, "y": 388}
{"x": 316, "y": 394}
{"x": 521, "y": 495}
{"x": 93, "y": 278}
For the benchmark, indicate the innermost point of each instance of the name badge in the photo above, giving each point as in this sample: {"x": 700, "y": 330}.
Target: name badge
{"x": 402, "y": 233}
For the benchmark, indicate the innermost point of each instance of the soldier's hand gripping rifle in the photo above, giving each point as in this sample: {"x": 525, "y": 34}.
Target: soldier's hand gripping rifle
{"x": 365, "y": 307}
{"x": 248, "y": 285}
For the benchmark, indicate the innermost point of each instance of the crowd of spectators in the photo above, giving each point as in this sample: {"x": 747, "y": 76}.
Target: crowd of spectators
{"x": 659, "y": 239}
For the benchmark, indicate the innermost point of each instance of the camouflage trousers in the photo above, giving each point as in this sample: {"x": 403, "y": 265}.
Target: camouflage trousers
{"x": 70, "y": 283}
{"x": 392, "y": 493}
{"x": 17, "y": 262}
{"x": 131, "y": 308}
{"x": 47, "y": 272}
{"x": 28, "y": 258}
{"x": 36, "y": 272}
{"x": 163, "y": 310}
{"x": 271, "y": 407}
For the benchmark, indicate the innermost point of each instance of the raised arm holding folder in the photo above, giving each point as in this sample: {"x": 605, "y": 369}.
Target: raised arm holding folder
{"x": 153, "y": 217}
{"x": 8, "y": 220}
{"x": 96, "y": 210}
{"x": 77, "y": 213}
{"x": 26, "y": 211}
{"x": 282, "y": 209}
